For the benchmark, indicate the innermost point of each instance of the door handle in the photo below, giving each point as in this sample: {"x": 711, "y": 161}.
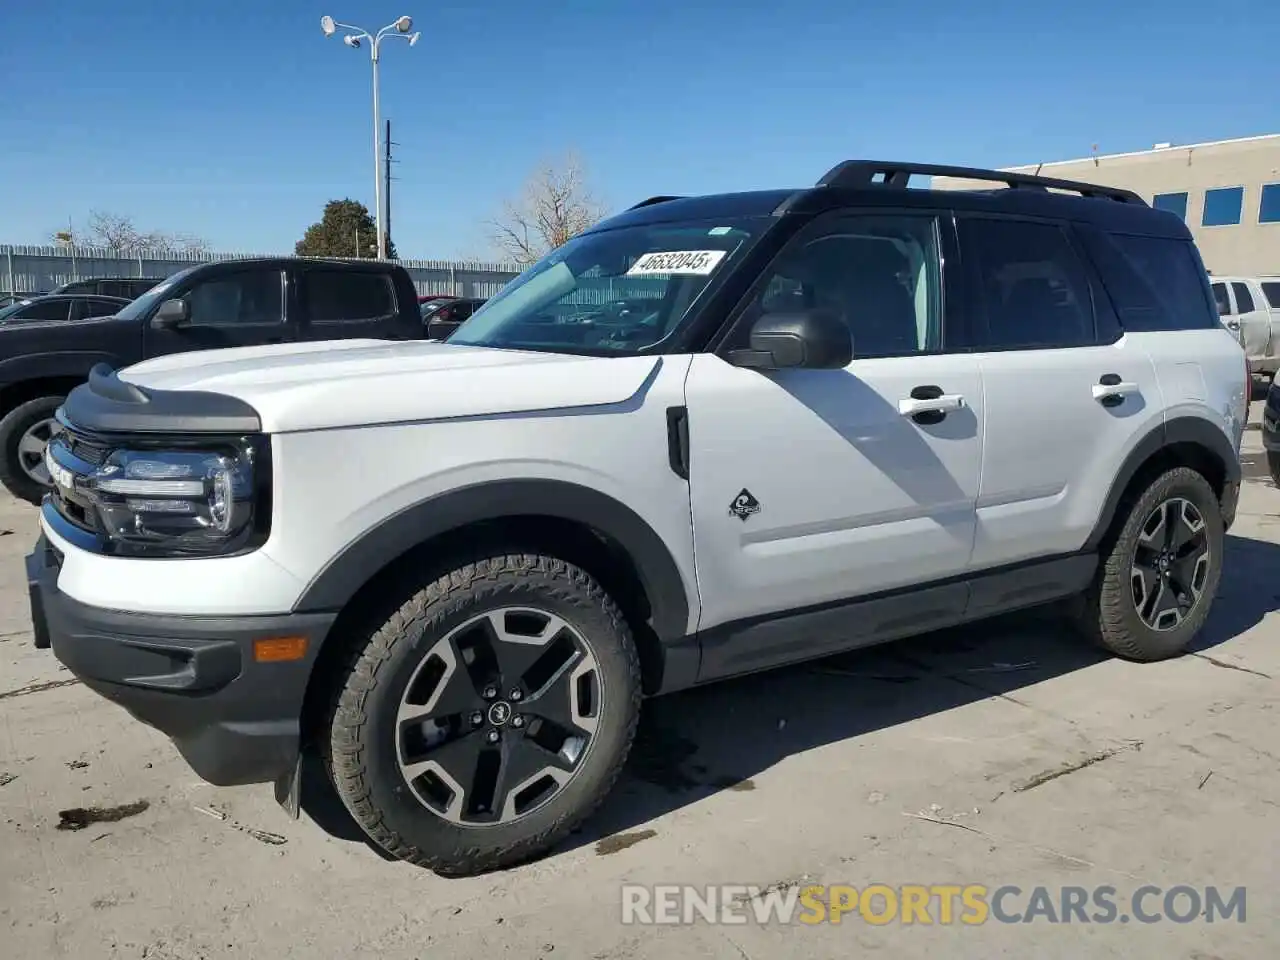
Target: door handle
{"x": 943, "y": 403}
{"x": 1110, "y": 391}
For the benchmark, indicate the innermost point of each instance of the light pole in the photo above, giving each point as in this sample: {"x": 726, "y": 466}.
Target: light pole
{"x": 355, "y": 35}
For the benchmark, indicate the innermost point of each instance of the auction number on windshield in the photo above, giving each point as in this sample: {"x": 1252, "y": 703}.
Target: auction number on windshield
{"x": 695, "y": 262}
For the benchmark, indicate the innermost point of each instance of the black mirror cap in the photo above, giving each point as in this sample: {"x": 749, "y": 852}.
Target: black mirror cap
{"x": 814, "y": 339}
{"x": 172, "y": 313}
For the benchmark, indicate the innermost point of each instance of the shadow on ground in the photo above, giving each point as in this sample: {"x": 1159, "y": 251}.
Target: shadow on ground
{"x": 698, "y": 742}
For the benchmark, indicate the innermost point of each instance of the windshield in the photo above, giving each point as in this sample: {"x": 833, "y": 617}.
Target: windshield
{"x": 613, "y": 292}
{"x": 156, "y": 294}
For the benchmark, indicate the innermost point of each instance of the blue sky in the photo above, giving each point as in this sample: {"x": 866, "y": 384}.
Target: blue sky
{"x": 236, "y": 120}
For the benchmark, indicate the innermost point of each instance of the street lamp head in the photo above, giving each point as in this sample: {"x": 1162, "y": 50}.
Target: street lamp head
{"x": 404, "y": 24}
{"x": 352, "y": 41}
{"x": 328, "y": 26}
{"x": 413, "y": 38}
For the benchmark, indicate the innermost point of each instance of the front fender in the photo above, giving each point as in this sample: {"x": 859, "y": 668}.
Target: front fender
{"x": 346, "y": 573}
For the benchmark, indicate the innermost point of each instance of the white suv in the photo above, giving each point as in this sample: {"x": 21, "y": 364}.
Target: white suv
{"x": 709, "y": 436}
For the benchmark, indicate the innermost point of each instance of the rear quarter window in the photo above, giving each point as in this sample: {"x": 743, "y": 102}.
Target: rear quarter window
{"x": 1156, "y": 283}
{"x": 1271, "y": 290}
{"x": 342, "y": 296}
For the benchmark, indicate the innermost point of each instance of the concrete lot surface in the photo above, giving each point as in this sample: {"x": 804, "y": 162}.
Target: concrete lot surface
{"x": 1004, "y": 754}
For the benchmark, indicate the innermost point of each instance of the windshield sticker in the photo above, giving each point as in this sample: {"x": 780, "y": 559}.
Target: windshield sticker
{"x": 696, "y": 262}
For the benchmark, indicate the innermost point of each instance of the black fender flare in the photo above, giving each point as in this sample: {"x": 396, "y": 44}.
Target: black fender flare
{"x": 347, "y": 572}
{"x": 1195, "y": 430}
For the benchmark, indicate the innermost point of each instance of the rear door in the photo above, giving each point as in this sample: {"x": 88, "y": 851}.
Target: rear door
{"x": 227, "y": 308}
{"x": 1064, "y": 392}
{"x": 1255, "y": 323}
{"x": 338, "y": 303}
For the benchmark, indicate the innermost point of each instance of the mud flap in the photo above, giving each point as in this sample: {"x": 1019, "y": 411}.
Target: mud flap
{"x": 289, "y": 789}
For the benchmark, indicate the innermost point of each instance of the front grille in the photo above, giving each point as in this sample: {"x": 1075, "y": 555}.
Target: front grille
{"x": 87, "y": 450}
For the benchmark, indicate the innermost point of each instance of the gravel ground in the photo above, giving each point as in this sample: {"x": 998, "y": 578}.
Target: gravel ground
{"x": 1001, "y": 754}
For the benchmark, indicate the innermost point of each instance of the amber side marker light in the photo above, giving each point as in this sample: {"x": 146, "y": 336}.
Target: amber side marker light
{"x": 279, "y": 649}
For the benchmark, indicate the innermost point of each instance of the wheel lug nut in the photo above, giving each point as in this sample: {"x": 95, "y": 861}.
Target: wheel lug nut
{"x": 516, "y": 694}
{"x": 492, "y": 736}
{"x": 517, "y": 721}
{"x": 477, "y": 718}
{"x": 490, "y": 692}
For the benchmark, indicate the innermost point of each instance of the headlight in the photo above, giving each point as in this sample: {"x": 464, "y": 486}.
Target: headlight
{"x": 199, "y": 502}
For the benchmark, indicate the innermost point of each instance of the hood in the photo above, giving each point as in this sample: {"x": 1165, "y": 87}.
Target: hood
{"x": 339, "y": 383}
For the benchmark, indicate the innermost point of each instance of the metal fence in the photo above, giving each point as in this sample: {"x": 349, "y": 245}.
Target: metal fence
{"x": 26, "y": 269}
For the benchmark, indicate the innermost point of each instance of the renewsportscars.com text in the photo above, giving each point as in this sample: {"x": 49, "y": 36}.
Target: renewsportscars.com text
{"x": 943, "y": 904}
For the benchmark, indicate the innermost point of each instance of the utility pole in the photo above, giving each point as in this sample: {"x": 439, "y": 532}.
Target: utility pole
{"x": 387, "y": 161}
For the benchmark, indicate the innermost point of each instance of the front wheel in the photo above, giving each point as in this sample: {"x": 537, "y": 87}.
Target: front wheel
{"x": 1156, "y": 584}
{"x": 24, "y": 433}
{"x": 488, "y": 716}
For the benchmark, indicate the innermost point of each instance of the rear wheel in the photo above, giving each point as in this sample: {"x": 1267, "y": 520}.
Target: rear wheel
{"x": 488, "y": 716}
{"x": 1273, "y": 466}
{"x": 24, "y": 433}
{"x": 1156, "y": 584}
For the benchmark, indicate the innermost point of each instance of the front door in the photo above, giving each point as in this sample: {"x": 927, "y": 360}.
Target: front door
{"x": 237, "y": 308}
{"x": 817, "y": 487}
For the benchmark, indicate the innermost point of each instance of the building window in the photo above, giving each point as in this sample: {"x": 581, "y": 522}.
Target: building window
{"x": 1173, "y": 202}
{"x": 1222, "y": 207}
{"x": 1269, "y": 206}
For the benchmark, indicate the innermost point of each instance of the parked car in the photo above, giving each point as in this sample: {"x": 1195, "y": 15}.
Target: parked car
{"x": 443, "y": 315}
{"x": 236, "y": 303}
{"x": 62, "y": 307}
{"x": 128, "y": 287}
{"x": 454, "y": 570}
{"x": 1250, "y": 308}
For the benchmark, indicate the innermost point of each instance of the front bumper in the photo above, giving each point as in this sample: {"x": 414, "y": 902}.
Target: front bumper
{"x": 233, "y": 719}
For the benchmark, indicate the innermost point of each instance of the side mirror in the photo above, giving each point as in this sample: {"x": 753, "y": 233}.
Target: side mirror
{"x": 172, "y": 314}
{"x": 816, "y": 339}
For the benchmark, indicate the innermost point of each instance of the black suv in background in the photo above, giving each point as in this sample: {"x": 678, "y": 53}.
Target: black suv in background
{"x": 61, "y": 306}
{"x": 130, "y": 288}
{"x": 234, "y": 303}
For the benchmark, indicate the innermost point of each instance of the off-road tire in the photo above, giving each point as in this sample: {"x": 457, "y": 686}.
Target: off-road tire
{"x": 1106, "y": 613}
{"x": 360, "y": 745}
{"x": 14, "y": 424}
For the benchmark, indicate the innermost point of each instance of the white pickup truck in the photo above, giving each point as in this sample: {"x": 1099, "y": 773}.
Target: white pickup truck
{"x": 1250, "y": 308}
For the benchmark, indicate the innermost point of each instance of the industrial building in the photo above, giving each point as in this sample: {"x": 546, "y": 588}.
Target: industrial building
{"x": 1228, "y": 192}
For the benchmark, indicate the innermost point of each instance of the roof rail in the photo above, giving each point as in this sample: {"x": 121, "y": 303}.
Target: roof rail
{"x": 864, "y": 173}
{"x": 652, "y": 200}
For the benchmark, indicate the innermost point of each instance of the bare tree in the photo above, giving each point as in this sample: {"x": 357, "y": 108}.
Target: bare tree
{"x": 119, "y": 234}
{"x": 557, "y": 204}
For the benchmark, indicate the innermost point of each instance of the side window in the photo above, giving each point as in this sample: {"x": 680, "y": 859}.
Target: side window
{"x": 1156, "y": 283}
{"x": 1033, "y": 286}
{"x": 1221, "y": 298}
{"x": 112, "y": 288}
{"x": 341, "y": 296}
{"x": 1244, "y": 301}
{"x": 45, "y": 310}
{"x": 880, "y": 274}
{"x": 100, "y": 308}
{"x": 239, "y": 299}
{"x": 1271, "y": 290}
